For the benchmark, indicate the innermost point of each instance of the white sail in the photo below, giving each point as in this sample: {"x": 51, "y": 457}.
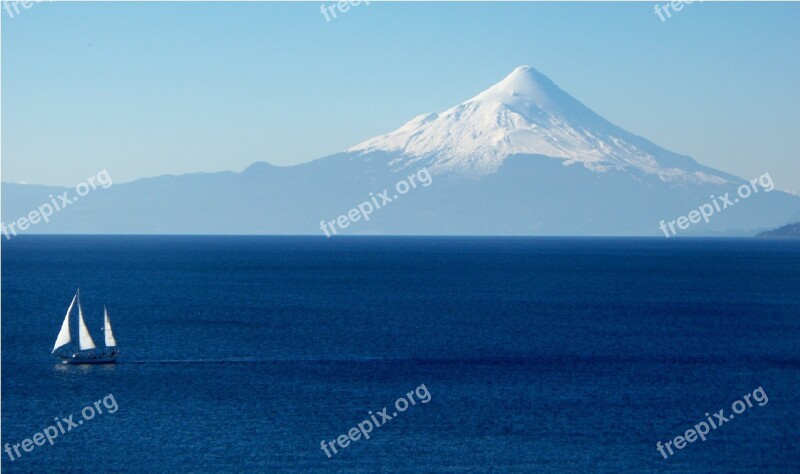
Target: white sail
{"x": 110, "y": 341}
{"x": 64, "y": 337}
{"x": 86, "y": 341}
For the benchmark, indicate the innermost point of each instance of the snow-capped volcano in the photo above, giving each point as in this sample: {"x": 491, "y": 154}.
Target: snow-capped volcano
{"x": 527, "y": 114}
{"x": 521, "y": 158}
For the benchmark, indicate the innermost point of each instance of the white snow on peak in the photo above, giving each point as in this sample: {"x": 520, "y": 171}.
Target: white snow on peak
{"x": 521, "y": 87}
{"x": 525, "y": 113}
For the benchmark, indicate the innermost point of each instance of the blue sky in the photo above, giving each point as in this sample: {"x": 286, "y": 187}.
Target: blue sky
{"x": 144, "y": 89}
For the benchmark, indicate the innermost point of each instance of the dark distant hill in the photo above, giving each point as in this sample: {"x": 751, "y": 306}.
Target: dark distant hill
{"x": 791, "y": 231}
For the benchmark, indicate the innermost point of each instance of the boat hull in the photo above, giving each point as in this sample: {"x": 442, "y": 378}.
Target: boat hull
{"x": 76, "y": 359}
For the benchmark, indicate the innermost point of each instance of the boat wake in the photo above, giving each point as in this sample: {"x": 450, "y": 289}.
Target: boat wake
{"x": 233, "y": 360}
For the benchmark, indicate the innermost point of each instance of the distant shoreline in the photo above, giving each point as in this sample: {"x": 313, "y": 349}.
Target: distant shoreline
{"x": 789, "y": 231}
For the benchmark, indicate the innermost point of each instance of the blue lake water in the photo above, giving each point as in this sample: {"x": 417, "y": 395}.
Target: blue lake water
{"x": 241, "y": 354}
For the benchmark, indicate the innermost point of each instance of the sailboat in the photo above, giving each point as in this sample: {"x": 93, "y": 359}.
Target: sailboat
{"x": 87, "y": 352}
